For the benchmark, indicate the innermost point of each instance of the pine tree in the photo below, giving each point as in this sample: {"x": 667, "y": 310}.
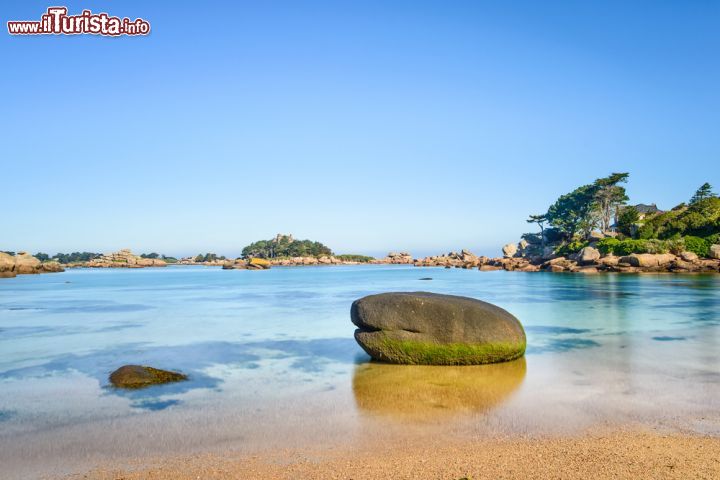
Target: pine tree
{"x": 705, "y": 191}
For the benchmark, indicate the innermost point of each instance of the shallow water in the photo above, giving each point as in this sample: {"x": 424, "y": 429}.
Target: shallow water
{"x": 273, "y": 363}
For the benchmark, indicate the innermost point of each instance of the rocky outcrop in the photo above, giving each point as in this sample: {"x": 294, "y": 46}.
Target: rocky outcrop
{"x": 648, "y": 259}
{"x": 327, "y": 260}
{"x": 464, "y": 259}
{"x": 124, "y": 259}
{"x": 395, "y": 258}
{"x": 509, "y": 250}
{"x": 218, "y": 262}
{"x": 25, "y": 264}
{"x": 715, "y": 251}
{"x": 137, "y": 376}
{"x": 247, "y": 264}
{"x": 588, "y": 260}
{"x": 434, "y": 329}
{"x": 588, "y": 255}
{"x": 304, "y": 261}
{"x": 689, "y": 256}
{"x": 7, "y": 265}
{"x": 51, "y": 267}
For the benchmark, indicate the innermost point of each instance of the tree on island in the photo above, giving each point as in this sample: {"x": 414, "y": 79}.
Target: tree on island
{"x": 65, "y": 258}
{"x": 627, "y": 218}
{"x": 208, "y": 257}
{"x": 589, "y": 206}
{"x": 285, "y": 246}
{"x": 572, "y": 213}
{"x": 702, "y": 193}
{"x": 609, "y": 197}
{"x": 540, "y": 220}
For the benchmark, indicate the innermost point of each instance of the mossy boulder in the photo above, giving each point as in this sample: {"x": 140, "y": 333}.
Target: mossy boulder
{"x": 434, "y": 329}
{"x": 138, "y": 376}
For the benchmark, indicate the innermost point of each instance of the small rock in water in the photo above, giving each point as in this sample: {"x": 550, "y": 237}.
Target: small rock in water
{"x": 433, "y": 329}
{"x": 138, "y": 376}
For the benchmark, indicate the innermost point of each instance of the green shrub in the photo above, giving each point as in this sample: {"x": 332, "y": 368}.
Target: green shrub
{"x": 676, "y": 245}
{"x": 613, "y": 246}
{"x": 606, "y": 246}
{"x": 697, "y": 245}
{"x": 626, "y": 247}
{"x": 655, "y": 246}
{"x": 570, "y": 248}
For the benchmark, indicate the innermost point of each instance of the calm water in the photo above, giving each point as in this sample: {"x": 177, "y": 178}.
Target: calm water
{"x": 273, "y": 362}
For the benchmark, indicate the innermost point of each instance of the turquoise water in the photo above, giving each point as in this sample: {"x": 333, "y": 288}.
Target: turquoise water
{"x": 273, "y": 363}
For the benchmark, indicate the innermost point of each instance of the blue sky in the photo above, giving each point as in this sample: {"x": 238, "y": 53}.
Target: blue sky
{"x": 370, "y": 126}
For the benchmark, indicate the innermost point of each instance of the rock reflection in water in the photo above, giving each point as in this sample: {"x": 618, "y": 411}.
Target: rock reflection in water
{"x": 423, "y": 393}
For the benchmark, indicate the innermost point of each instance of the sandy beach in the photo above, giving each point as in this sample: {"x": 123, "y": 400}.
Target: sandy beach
{"x": 612, "y": 454}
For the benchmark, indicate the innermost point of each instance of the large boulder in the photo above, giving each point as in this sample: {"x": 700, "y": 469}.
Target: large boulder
{"x": 509, "y": 250}
{"x": 434, "y": 329}
{"x": 648, "y": 260}
{"x": 151, "y": 262}
{"x": 401, "y": 258}
{"x": 609, "y": 261}
{"x": 714, "y": 251}
{"x": 137, "y": 376}
{"x": 26, "y": 263}
{"x": 258, "y": 264}
{"x": 51, "y": 267}
{"x": 689, "y": 256}
{"x": 7, "y": 265}
{"x": 588, "y": 255}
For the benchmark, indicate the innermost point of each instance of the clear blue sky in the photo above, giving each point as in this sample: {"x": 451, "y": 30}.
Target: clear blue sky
{"x": 369, "y": 125}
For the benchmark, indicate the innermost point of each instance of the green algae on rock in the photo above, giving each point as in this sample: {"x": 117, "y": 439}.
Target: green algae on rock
{"x": 433, "y": 329}
{"x": 138, "y": 376}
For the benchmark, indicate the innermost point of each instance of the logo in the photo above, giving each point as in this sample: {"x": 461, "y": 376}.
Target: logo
{"x": 57, "y": 22}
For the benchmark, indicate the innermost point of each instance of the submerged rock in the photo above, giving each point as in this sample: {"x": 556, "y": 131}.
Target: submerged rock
{"x": 433, "y": 329}
{"x": 137, "y": 376}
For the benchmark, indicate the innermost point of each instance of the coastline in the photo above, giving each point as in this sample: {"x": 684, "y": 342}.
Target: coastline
{"x": 617, "y": 453}
{"x": 522, "y": 258}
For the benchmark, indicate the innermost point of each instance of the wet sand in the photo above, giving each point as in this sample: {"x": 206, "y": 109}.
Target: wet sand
{"x": 613, "y": 454}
